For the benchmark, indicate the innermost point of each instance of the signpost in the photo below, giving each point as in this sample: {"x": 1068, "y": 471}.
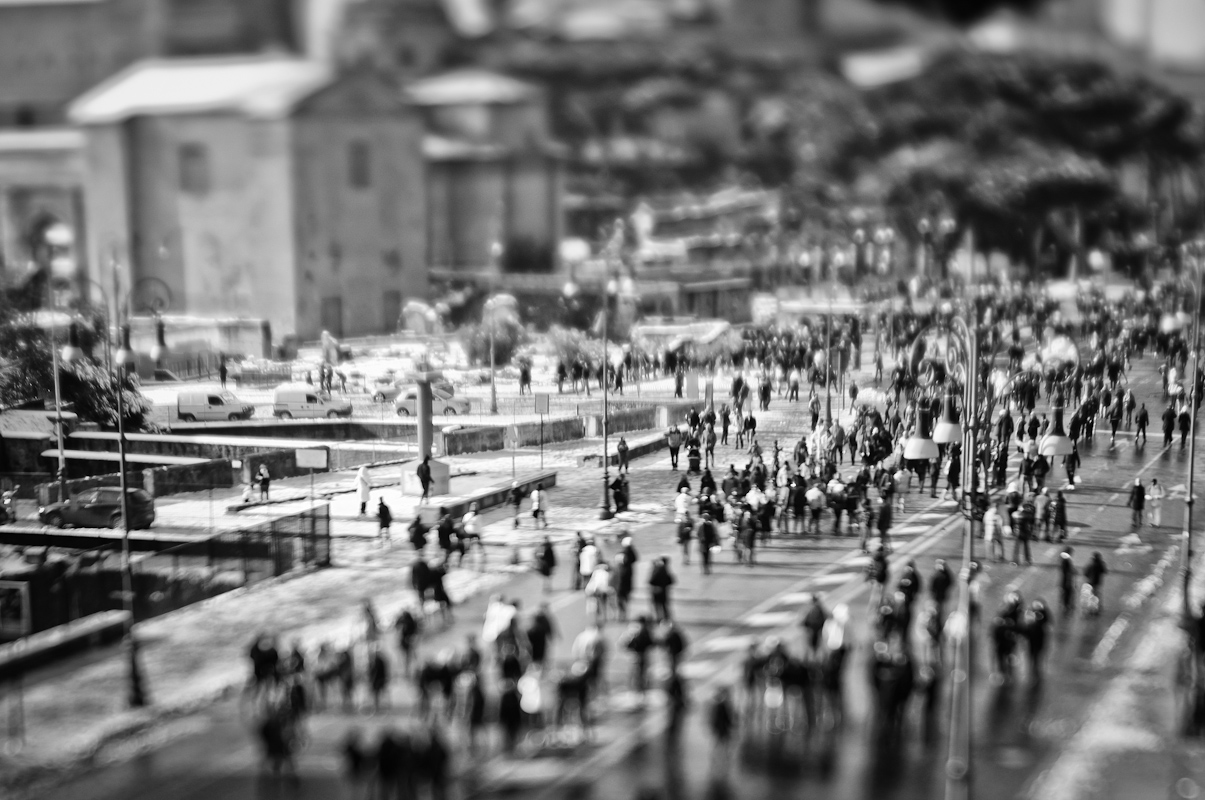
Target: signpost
{"x": 542, "y": 404}
{"x": 311, "y": 458}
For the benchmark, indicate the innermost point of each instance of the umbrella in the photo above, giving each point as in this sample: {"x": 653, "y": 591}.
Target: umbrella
{"x": 1170, "y": 324}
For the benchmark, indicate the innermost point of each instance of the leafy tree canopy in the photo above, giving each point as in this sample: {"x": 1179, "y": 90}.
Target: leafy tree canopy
{"x": 966, "y": 12}
{"x": 27, "y": 370}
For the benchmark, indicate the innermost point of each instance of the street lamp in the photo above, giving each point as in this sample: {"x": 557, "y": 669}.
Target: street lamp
{"x": 922, "y": 446}
{"x": 612, "y": 253}
{"x": 123, "y": 364}
{"x": 495, "y": 263}
{"x": 497, "y": 309}
{"x": 1198, "y": 249}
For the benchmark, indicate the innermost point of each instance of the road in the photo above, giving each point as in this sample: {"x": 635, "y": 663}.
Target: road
{"x": 1019, "y": 729}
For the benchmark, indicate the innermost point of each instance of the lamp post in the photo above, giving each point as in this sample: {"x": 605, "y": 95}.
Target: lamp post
{"x": 1194, "y": 350}
{"x": 610, "y": 290}
{"x": 490, "y": 306}
{"x": 123, "y": 364}
{"x": 922, "y": 446}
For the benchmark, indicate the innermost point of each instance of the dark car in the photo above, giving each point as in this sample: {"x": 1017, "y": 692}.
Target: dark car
{"x": 101, "y": 508}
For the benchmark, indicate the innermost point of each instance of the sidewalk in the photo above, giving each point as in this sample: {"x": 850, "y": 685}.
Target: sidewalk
{"x": 195, "y": 656}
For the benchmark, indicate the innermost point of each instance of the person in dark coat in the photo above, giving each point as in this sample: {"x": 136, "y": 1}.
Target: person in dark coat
{"x": 540, "y": 634}
{"x": 418, "y": 534}
{"x": 510, "y": 716}
{"x": 1094, "y": 574}
{"x": 1137, "y": 502}
{"x": 384, "y": 521}
{"x": 546, "y": 562}
{"x": 1169, "y": 425}
{"x": 420, "y": 578}
{"x": 1036, "y": 622}
{"x": 660, "y": 580}
{"x": 438, "y": 592}
{"x": 940, "y": 584}
{"x": 1141, "y": 420}
{"x": 424, "y": 477}
{"x": 1066, "y": 580}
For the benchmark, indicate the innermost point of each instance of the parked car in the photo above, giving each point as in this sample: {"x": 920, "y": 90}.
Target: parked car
{"x": 101, "y": 508}
{"x": 441, "y": 404}
{"x": 208, "y": 405}
{"x": 305, "y": 403}
{"x": 387, "y": 390}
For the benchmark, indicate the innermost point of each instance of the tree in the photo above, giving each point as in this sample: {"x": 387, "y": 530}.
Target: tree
{"x": 966, "y": 12}
{"x": 27, "y": 372}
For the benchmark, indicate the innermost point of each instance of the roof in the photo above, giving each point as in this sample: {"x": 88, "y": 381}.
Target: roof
{"x": 23, "y": 140}
{"x": 443, "y": 148}
{"x": 265, "y": 86}
{"x": 9, "y": 3}
{"x": 470, "y": 87}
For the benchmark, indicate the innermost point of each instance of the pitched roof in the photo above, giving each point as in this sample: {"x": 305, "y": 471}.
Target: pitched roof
{"x": 469, "y": 87}
{"x": 265, "y": 86}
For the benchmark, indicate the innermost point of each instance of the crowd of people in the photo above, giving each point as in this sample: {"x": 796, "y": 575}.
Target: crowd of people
{"x": 848, "y": 476}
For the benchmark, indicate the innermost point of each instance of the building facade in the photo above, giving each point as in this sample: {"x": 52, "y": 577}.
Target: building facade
{"x": 494, "y": 176}
{"x": 51, "y": 51}
{"x": 261, "y": 187}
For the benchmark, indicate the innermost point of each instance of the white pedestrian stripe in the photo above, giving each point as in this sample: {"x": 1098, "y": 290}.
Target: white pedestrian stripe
{"x": 829, "y": 580}
{"x": 770, "y": 619}
{"x": 725, "y": 644}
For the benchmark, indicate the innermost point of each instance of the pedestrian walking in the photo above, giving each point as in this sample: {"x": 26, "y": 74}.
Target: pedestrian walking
{"x": 1154, "y": 496}
{"x": 660, "y": 581}
{"x": 673, "y": 440}
{"x": 1023, "y": 531}
{"x": 638, "y": 641}
{"x": 546, "y": 562}
{"x": 1137, "y": 502}
{"x": 539, "y": 507}
{"x": 223, "y": 372}
{"x": 363, "y": 489}
{"x": 622, "y": 450}
{"x": 1036, "y": 620}
{"x": 384, "y": 521}
{"x": 265, "y": 479}
{"x": 721, "y": 720}
{"x": 1059, "y": 513}
{"x": 424, "y": 478}
{"x": 1066, "y": 581}
{"x": 1094, "y": 574}
{"x": 587, "y": 561}
{"x": 1141, "y": 420}
{"x": 516, "y": 499}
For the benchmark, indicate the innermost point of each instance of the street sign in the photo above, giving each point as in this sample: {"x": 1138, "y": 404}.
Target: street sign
{"x": 542, "y": 403}
{"x": 313, "y": 458}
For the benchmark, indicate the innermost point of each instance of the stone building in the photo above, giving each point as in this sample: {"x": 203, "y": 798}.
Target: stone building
{"x": 493, "y": 173}
{"x": 259, "y": 186}
{"x": 51, "y": 51}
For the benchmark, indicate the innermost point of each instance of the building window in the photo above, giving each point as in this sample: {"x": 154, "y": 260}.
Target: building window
{"x": 359, "y": 165}
{"x": 194, "y": 169}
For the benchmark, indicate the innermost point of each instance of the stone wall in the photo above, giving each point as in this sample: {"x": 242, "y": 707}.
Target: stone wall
{"x": 23, "y": 451}
{"x": 163, "y": 481}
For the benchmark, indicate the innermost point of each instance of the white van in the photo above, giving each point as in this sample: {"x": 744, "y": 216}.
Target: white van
{"x": 207, "y": 405}
{"x": 303, "y": 402}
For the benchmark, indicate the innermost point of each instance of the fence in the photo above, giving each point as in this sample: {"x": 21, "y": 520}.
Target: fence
{"x": 261, "y": 376}
{"x": 190, "y": 366}
{"x": 73, "y": 584}
{"x": 195, "y": 571}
